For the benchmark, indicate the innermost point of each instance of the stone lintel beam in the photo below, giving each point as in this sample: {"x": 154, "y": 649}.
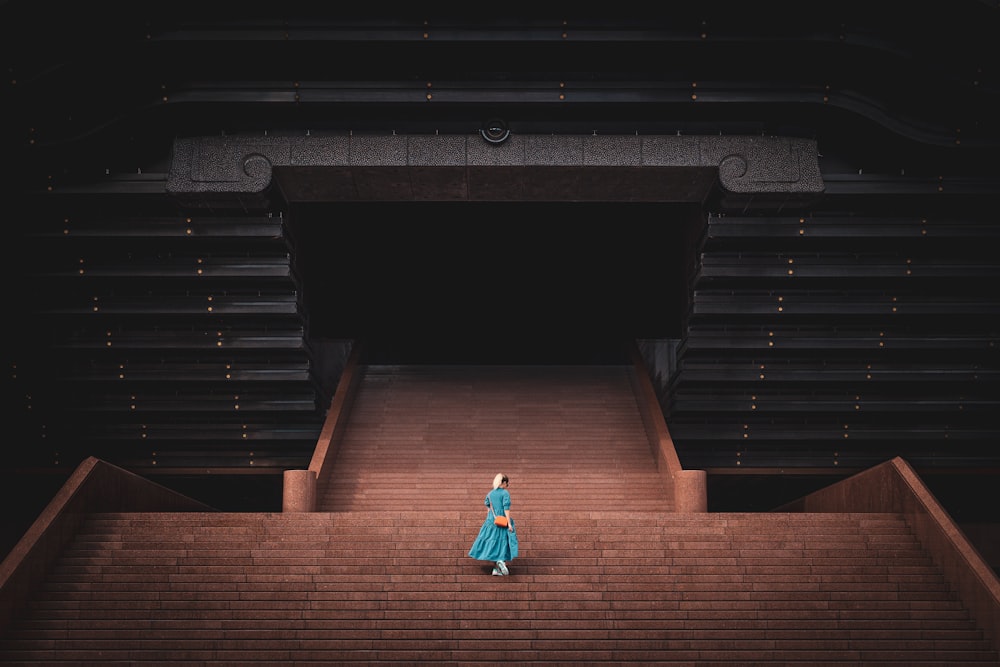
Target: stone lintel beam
{"x": 240, "y": 169}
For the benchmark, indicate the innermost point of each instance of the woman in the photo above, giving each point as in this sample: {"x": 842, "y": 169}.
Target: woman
{"x": 496, "y": 543}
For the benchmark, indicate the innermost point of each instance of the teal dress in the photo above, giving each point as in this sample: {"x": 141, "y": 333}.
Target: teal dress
{"x": 495, "y": 542}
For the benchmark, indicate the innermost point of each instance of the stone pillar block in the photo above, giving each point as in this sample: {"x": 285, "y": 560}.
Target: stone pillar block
{"x": 690, "y": 491}
{"x": 299, "y": 491}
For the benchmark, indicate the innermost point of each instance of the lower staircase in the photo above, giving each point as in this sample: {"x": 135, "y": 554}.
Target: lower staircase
{"x": 607, "y": 573}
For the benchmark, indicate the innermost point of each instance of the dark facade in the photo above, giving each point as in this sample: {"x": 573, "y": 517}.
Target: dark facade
{"x": 792, "y": 209}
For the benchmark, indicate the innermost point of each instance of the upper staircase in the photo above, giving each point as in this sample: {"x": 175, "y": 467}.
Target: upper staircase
{"x": 608, "y": 573}
{"x": 433, "y": 437}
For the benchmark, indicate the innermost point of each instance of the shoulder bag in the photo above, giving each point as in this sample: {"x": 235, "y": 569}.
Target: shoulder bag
{"x": 498, "y": 519}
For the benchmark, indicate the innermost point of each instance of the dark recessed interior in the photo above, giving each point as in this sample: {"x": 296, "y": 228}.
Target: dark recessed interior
{"x": 493, "y": 282}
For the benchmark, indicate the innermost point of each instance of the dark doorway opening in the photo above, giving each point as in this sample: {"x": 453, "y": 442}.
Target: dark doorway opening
{"x": 511, "y": 282}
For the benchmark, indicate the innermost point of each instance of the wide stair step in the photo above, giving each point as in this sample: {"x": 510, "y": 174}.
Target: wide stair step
{"x": 590, "y": 587}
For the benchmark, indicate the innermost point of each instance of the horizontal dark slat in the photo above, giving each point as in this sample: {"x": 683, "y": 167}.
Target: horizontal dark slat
{"x": 217, "y": 372}
{"x": 908, "y": 431}
{"x": 790, "y": 302}
{"x": 838, "y": 265}
{"x": 824, "y": 338}
{"x": 848, "y": 228}
{"x": 290, "y": 402}
{"x": 247, "y": 228}
{"x": 288, "y": 337}
{"x": 180, "y": 305}
{"x": 751, "y": 371}
{"x": 765, "y": 403}
{"x": 174, "y": 267}
{"x": 193, "y": 431}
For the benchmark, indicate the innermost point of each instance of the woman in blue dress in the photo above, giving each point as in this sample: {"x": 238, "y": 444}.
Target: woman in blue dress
{"x": 496, "y": 543}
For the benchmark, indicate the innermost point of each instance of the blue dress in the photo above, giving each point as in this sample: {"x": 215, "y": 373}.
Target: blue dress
{"x": 495, "y": 542}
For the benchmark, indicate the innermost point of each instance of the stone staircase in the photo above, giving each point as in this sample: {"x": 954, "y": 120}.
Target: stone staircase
{"x": 608, "y": 574}
{"x": 433, "y": 437}
{"x": 396, "y": 587}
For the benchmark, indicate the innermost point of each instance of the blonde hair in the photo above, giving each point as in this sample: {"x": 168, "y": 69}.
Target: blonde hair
{"x": 498, "y": 480}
